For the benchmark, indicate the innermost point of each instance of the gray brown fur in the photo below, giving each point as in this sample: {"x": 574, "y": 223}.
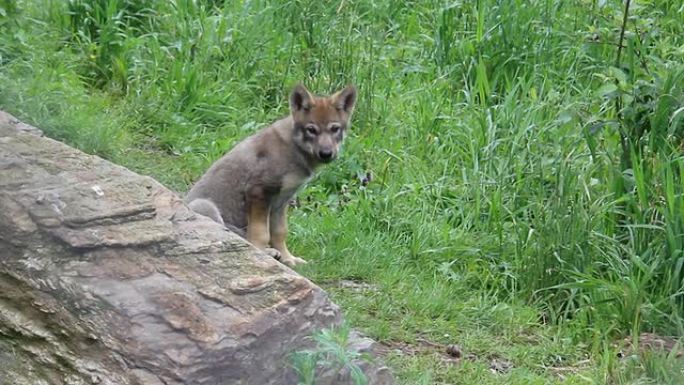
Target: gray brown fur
{"x": 249, "y": 188}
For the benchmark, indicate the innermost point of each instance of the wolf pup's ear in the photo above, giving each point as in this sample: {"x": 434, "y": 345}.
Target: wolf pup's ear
{"x": 344, "y": 100}
{"x": 300, "y": 98}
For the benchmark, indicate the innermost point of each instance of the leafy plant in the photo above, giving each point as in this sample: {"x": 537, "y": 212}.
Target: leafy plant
{"x": 331, "y": 352}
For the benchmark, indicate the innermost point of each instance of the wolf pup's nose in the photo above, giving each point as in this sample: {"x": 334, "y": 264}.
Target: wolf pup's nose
{"x": 325, "y": 154}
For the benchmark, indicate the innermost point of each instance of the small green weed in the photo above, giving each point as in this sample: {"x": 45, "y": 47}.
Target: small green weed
{"x": 330, "y": 353}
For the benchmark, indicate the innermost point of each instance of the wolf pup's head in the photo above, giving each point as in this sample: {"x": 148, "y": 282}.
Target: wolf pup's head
{"x": 320, "y": 122}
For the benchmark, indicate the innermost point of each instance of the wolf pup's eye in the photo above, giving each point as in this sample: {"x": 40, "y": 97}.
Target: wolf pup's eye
{"x": 311, "y": 130}
{"x": 334, "y": 128}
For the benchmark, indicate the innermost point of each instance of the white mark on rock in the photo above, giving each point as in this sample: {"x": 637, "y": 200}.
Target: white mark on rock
{"x": 33, "y": 263}
{"x": 98, "y": 190}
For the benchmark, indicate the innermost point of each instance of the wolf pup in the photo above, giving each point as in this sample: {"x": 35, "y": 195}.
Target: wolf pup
{"x": 248, "y": 190}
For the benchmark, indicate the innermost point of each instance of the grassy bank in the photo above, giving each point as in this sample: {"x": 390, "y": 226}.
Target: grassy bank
{"x": 526, "y": 193}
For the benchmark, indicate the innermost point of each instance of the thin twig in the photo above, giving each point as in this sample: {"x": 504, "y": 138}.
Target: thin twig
{"x": 622, "y": 33}
{"x": 624, "y": 140}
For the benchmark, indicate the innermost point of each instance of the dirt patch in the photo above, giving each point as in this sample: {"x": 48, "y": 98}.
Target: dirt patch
{"x": 351, "y": 285}
{"x": 450, "y": 354}
{"x": 650, "y": 343}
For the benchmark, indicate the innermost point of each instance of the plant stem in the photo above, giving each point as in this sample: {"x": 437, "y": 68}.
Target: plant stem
{"x": 622, "y": 33}
{"x": 626, "y": 161}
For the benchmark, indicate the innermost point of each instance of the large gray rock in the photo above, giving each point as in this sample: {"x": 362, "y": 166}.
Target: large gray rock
{"x": 107, "y": 278}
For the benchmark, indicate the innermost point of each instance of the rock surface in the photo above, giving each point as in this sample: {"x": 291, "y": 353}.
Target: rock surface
{"x": 107, "y": 278}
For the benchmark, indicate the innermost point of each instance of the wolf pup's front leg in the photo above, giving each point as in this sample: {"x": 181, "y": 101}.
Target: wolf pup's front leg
{"x": 257, "y": 217}
{"x": 278, "y": 227}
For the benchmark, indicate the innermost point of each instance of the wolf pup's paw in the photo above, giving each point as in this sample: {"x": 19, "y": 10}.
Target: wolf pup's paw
{"x": 273, "y": 253}
{"x": 287, "y": 259}
{"x": 291, "y": 260}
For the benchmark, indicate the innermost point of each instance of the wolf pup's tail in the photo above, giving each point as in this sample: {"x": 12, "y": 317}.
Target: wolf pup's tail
{"x": 208, "y": 209}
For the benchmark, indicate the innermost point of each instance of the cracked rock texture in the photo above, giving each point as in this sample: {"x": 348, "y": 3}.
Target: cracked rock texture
{"x": 106, "y": 277}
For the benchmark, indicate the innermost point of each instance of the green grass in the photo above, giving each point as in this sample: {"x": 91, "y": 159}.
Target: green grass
{"x": 527, "y": 198}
